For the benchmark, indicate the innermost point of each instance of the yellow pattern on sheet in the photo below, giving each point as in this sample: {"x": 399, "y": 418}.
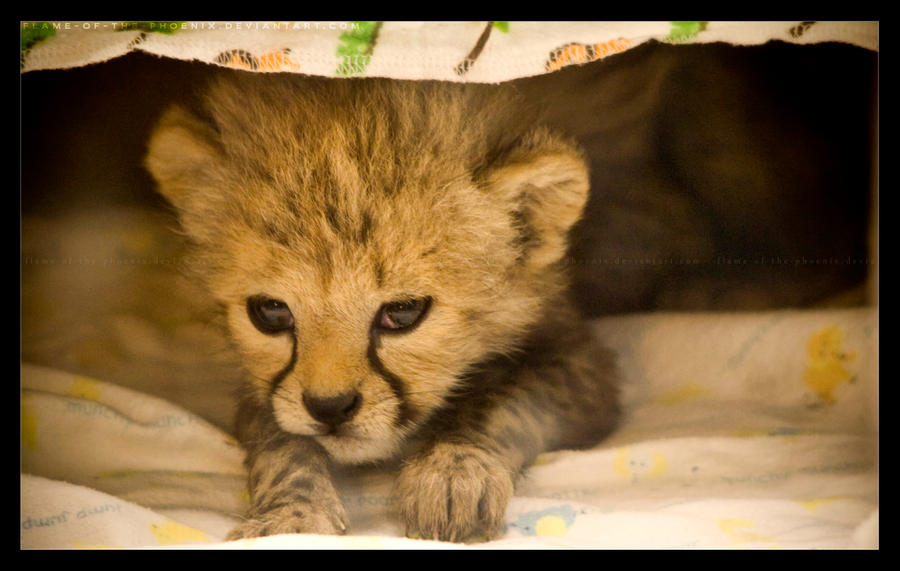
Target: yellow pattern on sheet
{"x": 688, "y": 392}
{"x": 173, "y": 533}
{"x": 815, "y": 503}
{"x": 825, "y": 369}
{"x": 29, "y": 426}
{"x": 85, "y": 388}
{"x": 737, "y": 529}
{"x": 641, "y": 465}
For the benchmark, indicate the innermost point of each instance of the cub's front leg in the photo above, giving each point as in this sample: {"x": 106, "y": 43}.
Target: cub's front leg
{"x": 291, "y": 489}
{"x": 457, "y": 489}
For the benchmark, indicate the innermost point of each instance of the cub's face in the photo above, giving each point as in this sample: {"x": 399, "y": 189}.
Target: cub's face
{"x": 368, "y": 243}
{"x": 357, "y": 329}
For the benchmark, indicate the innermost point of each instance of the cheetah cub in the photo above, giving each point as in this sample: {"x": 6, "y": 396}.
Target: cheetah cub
{"x": 388, "y": 256}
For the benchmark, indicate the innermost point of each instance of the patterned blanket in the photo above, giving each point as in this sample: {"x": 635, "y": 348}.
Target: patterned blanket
{"x": 451, "y": 51}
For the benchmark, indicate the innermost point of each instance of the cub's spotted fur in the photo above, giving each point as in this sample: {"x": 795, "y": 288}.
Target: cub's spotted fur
{"x": 388, "y": 258}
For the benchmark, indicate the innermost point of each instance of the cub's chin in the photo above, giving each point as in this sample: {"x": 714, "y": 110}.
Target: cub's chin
{"x": 348, "y": 449}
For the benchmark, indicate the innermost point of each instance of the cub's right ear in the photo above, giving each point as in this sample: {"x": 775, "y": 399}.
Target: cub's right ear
{"x": 184, "y": 157}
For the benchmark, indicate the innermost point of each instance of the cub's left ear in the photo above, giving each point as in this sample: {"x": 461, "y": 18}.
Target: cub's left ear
{"x": 546, "y": 179}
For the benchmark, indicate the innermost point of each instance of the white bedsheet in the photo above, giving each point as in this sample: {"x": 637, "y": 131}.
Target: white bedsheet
{"x": 741, "y": 430}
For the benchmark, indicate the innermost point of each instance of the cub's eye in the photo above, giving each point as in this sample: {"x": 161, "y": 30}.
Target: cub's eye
{"x": 269, "y": 315}
{"x": 404, "y": 314}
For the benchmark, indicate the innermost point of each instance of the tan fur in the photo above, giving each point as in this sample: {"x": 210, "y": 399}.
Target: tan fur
{"x": 337, "y": 197}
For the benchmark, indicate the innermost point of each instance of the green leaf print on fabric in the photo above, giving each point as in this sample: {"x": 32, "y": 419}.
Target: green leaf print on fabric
{"x": 30, "y": 34}
{"x": 34, "y": 32}
{"x": 356, "y": 46}
{"x": 684, "y": 31}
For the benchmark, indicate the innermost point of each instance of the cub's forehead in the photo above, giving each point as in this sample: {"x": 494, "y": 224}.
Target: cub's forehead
{"x": 379, "y": 244}
{"x": 356, "y": 160}
{"x": 348, "y": 211}
{"x": 368, "y": 181}
{"x": 382, "y": 131}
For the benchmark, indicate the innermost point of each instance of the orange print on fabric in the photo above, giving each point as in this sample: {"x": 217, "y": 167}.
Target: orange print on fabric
{"x": 272, "y": 61}
{"x": 576, "y": 53}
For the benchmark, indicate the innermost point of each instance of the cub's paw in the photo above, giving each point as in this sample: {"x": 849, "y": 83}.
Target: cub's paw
{"x": 294, "y": 518}
{"x": 454, "y": 492}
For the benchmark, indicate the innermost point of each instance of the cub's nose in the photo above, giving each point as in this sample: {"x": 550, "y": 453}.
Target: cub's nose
{"x": 333, "y": 410}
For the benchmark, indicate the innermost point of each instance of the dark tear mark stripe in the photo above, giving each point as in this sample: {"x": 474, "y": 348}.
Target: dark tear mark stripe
{"x": 277, "y": 379}
{"x": 396, "y": 384}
